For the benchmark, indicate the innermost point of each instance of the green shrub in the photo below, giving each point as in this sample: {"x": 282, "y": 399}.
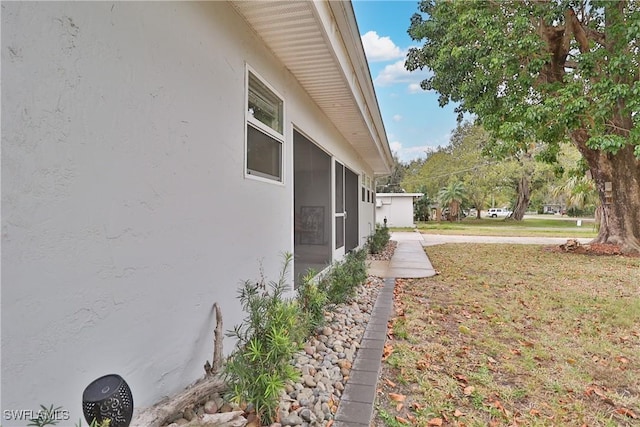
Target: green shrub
{"x": 378, "y": 240}
{"x": 312, "y": 300}
{"x": 343, "y": 279}
{"x": 267, "y": 341}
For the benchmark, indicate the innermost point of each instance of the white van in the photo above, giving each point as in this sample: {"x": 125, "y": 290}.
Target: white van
{"x": 498, "y": 213}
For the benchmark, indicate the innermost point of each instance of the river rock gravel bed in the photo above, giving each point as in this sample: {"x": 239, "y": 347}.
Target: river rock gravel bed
{"x": 326, "y": 360}
{"x": 385, "y": 254}
{"x": 324, "y": 363}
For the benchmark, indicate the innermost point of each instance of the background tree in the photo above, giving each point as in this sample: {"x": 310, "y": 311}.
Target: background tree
{"x": 422, "y": 206}
{"x": 431, "y": 175}
{"x": 463, "y": 161}
{"x": 453, "y": 196}
{"x": 552, "y": 72}
{"x": 393, "y": 182}
{"x": 578, "y": 194}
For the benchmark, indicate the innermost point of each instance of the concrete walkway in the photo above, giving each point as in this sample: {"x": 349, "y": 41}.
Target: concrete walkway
{"x": 408, "y": 261}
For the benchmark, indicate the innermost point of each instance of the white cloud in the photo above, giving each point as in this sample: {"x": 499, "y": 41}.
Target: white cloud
{"x": 380, "y": 48}
{"x": 397, "y": 73}
{"x": 406, "y": 154}
{"x": 397, "y": 118}
{"x": 395, "y": 146}
{"x": 414, "y": 88}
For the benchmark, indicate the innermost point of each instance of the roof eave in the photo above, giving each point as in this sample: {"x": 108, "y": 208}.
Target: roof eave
{"x": 325, "y": 33}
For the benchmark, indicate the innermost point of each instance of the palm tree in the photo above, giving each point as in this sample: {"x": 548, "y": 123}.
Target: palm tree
{"x": 452, "y": 195}
{"x": 578, "y": 192}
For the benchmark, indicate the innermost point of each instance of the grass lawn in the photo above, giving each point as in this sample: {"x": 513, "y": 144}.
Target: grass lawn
{"x": 529, "y": 227}
{"x": 514, "y": 335}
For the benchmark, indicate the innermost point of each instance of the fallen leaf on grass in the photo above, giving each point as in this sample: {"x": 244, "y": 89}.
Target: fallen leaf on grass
{"x": 411, "y": 418}
{"x": 434, "y": 422}
{"x": 416, "y": 406}
{"x": 389, "y": 382}
{"x": 458, "y": 413}
{"x": 388, "y": 349}
{"x": 399, "y": 407}
{"x": 397, "y": 397}
{"x": 462, "y": 378}
{"x": 468, "y": 390}
{"x": 594, "y": 390}
{"x": 626, "y": 412}
{"x": 402, "y": 420}
{"x": 422, "y": 365}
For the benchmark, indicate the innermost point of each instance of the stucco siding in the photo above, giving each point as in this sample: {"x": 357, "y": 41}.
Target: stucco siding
{"x": 125, "y": 210}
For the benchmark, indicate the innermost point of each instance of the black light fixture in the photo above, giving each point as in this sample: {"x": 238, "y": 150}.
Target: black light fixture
{"x": 108, "y": 397}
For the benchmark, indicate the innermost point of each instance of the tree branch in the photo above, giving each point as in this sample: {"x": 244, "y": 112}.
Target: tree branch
{"x": 594, "y": 35}
{"x": 571, "y": 64}
{"x": 578, "y": 32}
{"x": 617, "y": 128}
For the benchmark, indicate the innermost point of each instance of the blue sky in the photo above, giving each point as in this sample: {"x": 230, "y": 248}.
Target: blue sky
{"x": 413, "y": 120}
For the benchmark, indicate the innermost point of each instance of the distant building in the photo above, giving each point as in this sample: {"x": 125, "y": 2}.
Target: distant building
{"x": 397, "y": 208}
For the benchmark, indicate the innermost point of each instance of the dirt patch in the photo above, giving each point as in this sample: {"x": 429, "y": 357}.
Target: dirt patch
{"x": 595, "y": 249}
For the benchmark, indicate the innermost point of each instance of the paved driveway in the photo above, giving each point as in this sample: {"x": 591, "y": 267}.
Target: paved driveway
{"x": 438, "y": 239}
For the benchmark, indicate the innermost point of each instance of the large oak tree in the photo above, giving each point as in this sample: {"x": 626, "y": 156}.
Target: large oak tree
{"x": 550, "y": 72}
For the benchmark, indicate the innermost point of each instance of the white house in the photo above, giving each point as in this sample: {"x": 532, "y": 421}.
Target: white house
{"x": 397, "y": 208}
{"x": 155, "y": 155}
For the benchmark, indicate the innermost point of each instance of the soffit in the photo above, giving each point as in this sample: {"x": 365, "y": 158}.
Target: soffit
{"x": 296, "y": 33}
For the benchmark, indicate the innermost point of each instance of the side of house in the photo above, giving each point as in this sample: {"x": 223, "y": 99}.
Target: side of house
{"x": 397, "y": 208}
{"x": 155, "y": 155}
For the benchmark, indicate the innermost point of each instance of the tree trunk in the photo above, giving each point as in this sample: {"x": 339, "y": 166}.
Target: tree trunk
{"x": 617, "y": 180}
{"x": 453, "y": 211}
{"x": 524, "y": 195}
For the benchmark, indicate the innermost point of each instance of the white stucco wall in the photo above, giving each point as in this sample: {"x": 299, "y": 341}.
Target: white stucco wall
{"x": 396, "y": 207}
{"x": 125, "y": 210}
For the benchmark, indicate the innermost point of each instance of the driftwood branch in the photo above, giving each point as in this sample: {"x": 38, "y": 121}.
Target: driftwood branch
{"x": 217, "y": 342}
{"x": 216, "y": 362}
{"x": 228, "y": 419}
{"x": 160, "y": 413}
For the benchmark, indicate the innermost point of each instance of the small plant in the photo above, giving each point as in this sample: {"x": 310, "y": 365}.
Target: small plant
{"x": 104, "y": 423}
{"x": 343, "y": 279}
{"x": 267, "y": 341}
{"x": 312, "y": 300}
{"x": 378, "y": 240}
{"x": 46, "y": 417}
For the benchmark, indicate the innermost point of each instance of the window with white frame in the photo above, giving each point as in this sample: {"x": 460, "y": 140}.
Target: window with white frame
{"x": 265, "y": 134}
